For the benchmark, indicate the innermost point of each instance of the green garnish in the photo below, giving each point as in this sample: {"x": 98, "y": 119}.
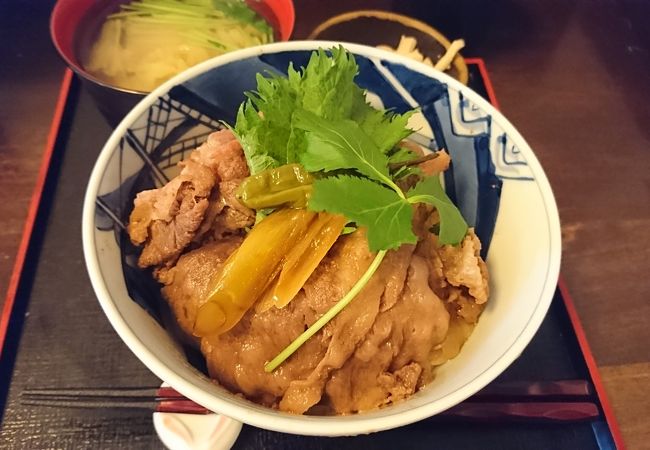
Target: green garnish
{"x": 386, "y": 215}
{"x": 197, "y": 18}
{"x": 452, "y": 225}
{"x": 341, "y": 144}
{"x": 319, "y": 118}
{"x": 266, "y": 121}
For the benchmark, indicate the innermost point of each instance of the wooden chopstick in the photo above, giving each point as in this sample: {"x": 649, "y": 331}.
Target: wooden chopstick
{"x": 548, "y": 390}
{"x": 503, "y": 389}
{"x": 170, "y": 406}
{"x": 524, "y": 411}
{"x": 500, "y": 401}
{"x": 148, "y": 393}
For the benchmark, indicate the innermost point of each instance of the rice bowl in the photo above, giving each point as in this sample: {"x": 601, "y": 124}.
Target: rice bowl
{"x": 523, "y": 269}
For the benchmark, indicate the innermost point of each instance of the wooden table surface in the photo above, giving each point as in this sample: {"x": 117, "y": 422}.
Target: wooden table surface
{"x": 574, "y": 78}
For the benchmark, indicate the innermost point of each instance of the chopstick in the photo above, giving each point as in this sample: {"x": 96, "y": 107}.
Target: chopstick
{"x": 548, "y": 390}
{"x": 557, "y": 401}
{"x": 523, "y": 411}
{"x": 185, "y": 406}
{"x": 164, "y": 399}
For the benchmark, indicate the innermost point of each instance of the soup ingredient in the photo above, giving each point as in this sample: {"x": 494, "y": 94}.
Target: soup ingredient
{"x": 149, "y": 41}
{"x": 289, "y": 185}
{"x": 248, "y": 271}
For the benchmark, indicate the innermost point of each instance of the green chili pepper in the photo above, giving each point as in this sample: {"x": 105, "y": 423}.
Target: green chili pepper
{"x": 288, "y": 185}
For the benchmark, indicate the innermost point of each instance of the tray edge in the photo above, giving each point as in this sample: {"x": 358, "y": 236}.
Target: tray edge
{"x": 33, "y": 208}
{"x": 35, "y": 201}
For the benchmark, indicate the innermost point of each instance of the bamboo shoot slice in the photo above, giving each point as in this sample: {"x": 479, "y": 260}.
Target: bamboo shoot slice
{"x": 247, "y": 273}
{"x": 267, "y": 301}
{"x": 302, "y": 262}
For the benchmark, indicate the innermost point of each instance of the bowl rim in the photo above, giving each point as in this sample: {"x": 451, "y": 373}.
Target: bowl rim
{"x": 299, "y": 424}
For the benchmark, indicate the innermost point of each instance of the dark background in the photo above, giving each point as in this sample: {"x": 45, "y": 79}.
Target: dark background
{"x": 573, "y": 76}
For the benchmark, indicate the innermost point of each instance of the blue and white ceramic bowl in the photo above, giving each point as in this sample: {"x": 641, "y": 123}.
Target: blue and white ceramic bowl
{"x": 496, "y": 180}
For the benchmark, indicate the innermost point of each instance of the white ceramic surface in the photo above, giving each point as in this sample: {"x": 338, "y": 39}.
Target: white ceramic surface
{"x": 195, "y": 431}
